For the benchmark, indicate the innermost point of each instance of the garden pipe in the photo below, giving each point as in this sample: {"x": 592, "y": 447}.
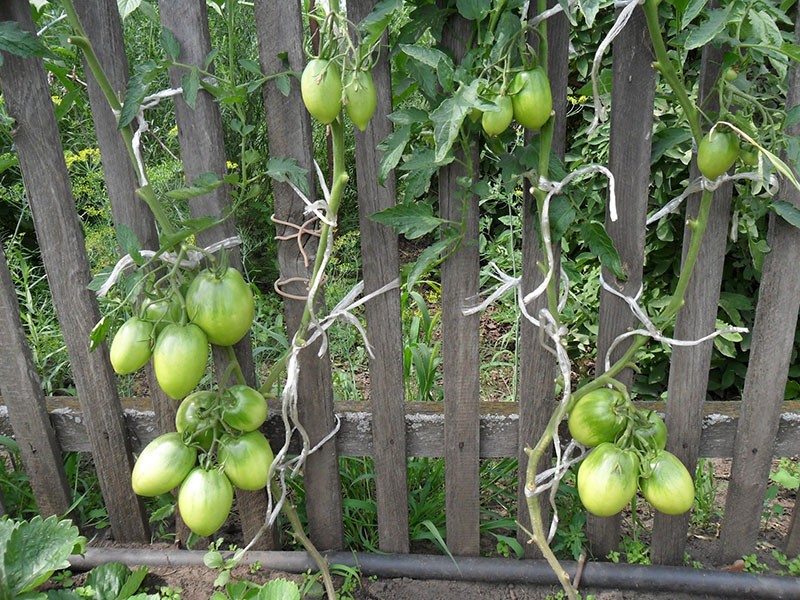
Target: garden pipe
{"x": 643, "y": 578}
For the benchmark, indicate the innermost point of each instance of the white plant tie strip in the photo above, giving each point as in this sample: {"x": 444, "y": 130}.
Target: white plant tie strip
{"x": 192, "y": 260}
{"x": 619, "y": 25}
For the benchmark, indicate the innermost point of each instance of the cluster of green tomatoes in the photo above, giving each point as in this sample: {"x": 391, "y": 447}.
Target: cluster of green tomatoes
{"x": 528, "y": 100}
{"x": 628, "y": 453}
{"x": 218, "y": 444}
{"x": 325, "y": 92}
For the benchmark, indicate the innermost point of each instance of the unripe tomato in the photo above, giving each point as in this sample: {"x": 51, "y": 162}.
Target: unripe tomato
{"x": 162, "y": 465}
{"x": 179, "y": 358}
{"x": 223, "y": 307}
{"x": 321, "y": 88}
{"x": 360, "y": 98}
{"x": 132, "y": 346}
{"x": 599, "y": 416}
{"x": 495, "y": 122}
{"x": 243, "y": 408}
{"x": 652, "y": 434}
{"x": 749, "y": 157}
{"x": 533, "y": 100}
{"x": 607, "y": 479}
{"x": 716, "y": 153}
{"x": 246, "y": 460}
{"x": 161, "y": 311}
{"x": 669, "y": 486}
{"x": 195, "y": 417}
{"x": 205, "y": 500}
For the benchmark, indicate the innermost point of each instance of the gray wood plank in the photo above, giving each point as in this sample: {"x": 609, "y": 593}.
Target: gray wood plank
{"x": 381, "y": 264}
{"x": 537, "y": 371}
{"x": 688, "y": 377}
{"x": 289, "y": 127}
{"x": 58, "y": 230}
{"x": 767, "y": 371}
{"x": 460, "y": 343}
{"x": 27, "y": 411}
{"x": 633, "y": 89}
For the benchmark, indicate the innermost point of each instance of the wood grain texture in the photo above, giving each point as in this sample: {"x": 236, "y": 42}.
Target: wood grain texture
{"x": 44, "y": 173}
{"x": 688, "y": 376}
{"x": 280, "y": 34}
{"x": 770, "y": 351}
{"x": 537, "y": 371}
{"x": 27, "y": 411}
{"x": 381, "y": 265}
{"x": 633, "y": 89}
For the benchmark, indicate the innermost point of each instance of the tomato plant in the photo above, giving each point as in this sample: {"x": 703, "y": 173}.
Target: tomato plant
{"x": 132, "y": 346}
{"x": 243, "y": 408}
{"x": 179, "y": 358}
{"x": 716, "y": 153}
{"x": 162, "y": 465}
{"x": 246, "y": 459}
{"x": 667, "y": 484}
{"x": 532, "y": 98}
{"x": 222, "y": 306}
{"x": 321, "y": 88}
{"x": 599, "y": 416}
{"x": 607, "y": 479}
{"x": 205, "y": 500}
{"x": 361, "y": 101}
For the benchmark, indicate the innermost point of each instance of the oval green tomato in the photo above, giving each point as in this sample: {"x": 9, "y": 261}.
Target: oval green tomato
{"x": 246, "y": 460}
{"x": 222, "y": 306}
{"x": 495, "y": 122}
{"x": 360, "y": 98}
{"x": 669, "y": 486}
{"x": 599, "y": 416}
{"x": 205, "y": 500}
{"x": 321, "y": 88}
{"x": 532, "y": 100}
{"x": 716, "y": 153}
{"x": 651, "y": 432}
{"x": 132, "y": 346}
{"x": 196, "y": 417}
{"x": 179, "y": 358}
{"x": 162, "y": 311}
{"x": 162, "y": 465}
{"x": 243, "y": 408}
{"x": 607, "y": 479}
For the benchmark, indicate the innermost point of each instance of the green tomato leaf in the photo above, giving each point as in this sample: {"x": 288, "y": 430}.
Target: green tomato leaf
{"x": 283, "y": 169}
{"x": 190, "y": 84}
{"x": 170, "y": 43}
{"x": 376, "y": 22}
{"x": 203, "y": 184}
{"x": 708, "y": 29}
{"x": 17, "y": 41}
{"x": 788, "y": 211}
{"x": 589, "y": 9}
{"x": 393, "y": 147}
{"x": 473, "y": 10}
{"x": 411, "y": 220}
{"x": 435, "y": 59}
{"x": 785, "y": 479}
{"x": 137, "y": 88}
{"x": 601, "y": 245}
{"x": 129, "y": 243}
{"x": 448, "y": 117}
{"x": 693, "y": 8}
{"x": 126, "y": 7}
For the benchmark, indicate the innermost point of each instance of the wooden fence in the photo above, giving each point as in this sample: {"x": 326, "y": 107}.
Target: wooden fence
{"x": 463, "y": 429}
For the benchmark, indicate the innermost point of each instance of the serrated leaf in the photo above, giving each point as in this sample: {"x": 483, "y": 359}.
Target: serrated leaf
{"x": 126, "y": 7}
{"x": 99, "y": 333}
{"x": 189, "y": 228}
{"x": 430, "y": 257}
{"x": 19, "y": 42}
{"x": 129, "y": 243}
{"x": 602, "y": 246}
{"x": 190, "y": 84}
{"x": 170, "y": 43}
{"x": 693, "y": 8}
{"x": 203, "y": 184}
{"x": 392, "y": 147}
{"x": 133, "y": 583}
{"x": 435, "y": 59}
{"x": 284, "y": 84}
{"x": 708, "y": 29}
{"x": 135, "y": 92}
{"x": 411, "y": 220}
{"x": 788, "y": 211}
{"x": 448, "y": 117}
{"x": 376, "y": 22}
{"x": 279, "y": 589}
{"x": 107, "y": 579}
{"x": 791, "y": 50}
{"x": 283, "y": 169}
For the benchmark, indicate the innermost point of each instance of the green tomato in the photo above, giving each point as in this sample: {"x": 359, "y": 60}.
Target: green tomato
{"x": 243, "y": 408}
{"x": 360, "y": 98}
{"x": 668, "y": 486}
{"x": 321, "y": 88}
{"x": 205, "y": 500}
{"x": 180, "y": 358}
{"x": 650, "y": 432}
{"x": 495, "y": 122}
{"x": 222, "y": 306}
{"x": 132, "y": 346}
{"x": 599, "y": 416}
{"x": 162, "y": 311}
{"x": 607, "y": 479}
{"x": 196, "y": 417}
{"x": 246, "y": 460}
{"x": 716, "y": 153}
{"x": 162, "y": 465}
{"x": 532, "y": 98}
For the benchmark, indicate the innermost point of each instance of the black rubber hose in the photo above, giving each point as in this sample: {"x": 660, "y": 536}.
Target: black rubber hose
{"x": 652, "y": 578}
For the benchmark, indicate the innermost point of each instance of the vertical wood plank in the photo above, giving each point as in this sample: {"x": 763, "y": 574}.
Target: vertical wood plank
{"x": 688, "y": 376}
{"x": 461, "y": 342}
{"x": 381, "y": 264}
{"x": 27, "y": 411}
{"x": 767, "y": 371}
{"x": 633, "y": 89}
{"x": 280, "y": 33}
{"x": 202, "y": 145}
{"x": 537, "y": 366}
{"x": 792, "y": 542}
{"x": 60, "y": 238}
